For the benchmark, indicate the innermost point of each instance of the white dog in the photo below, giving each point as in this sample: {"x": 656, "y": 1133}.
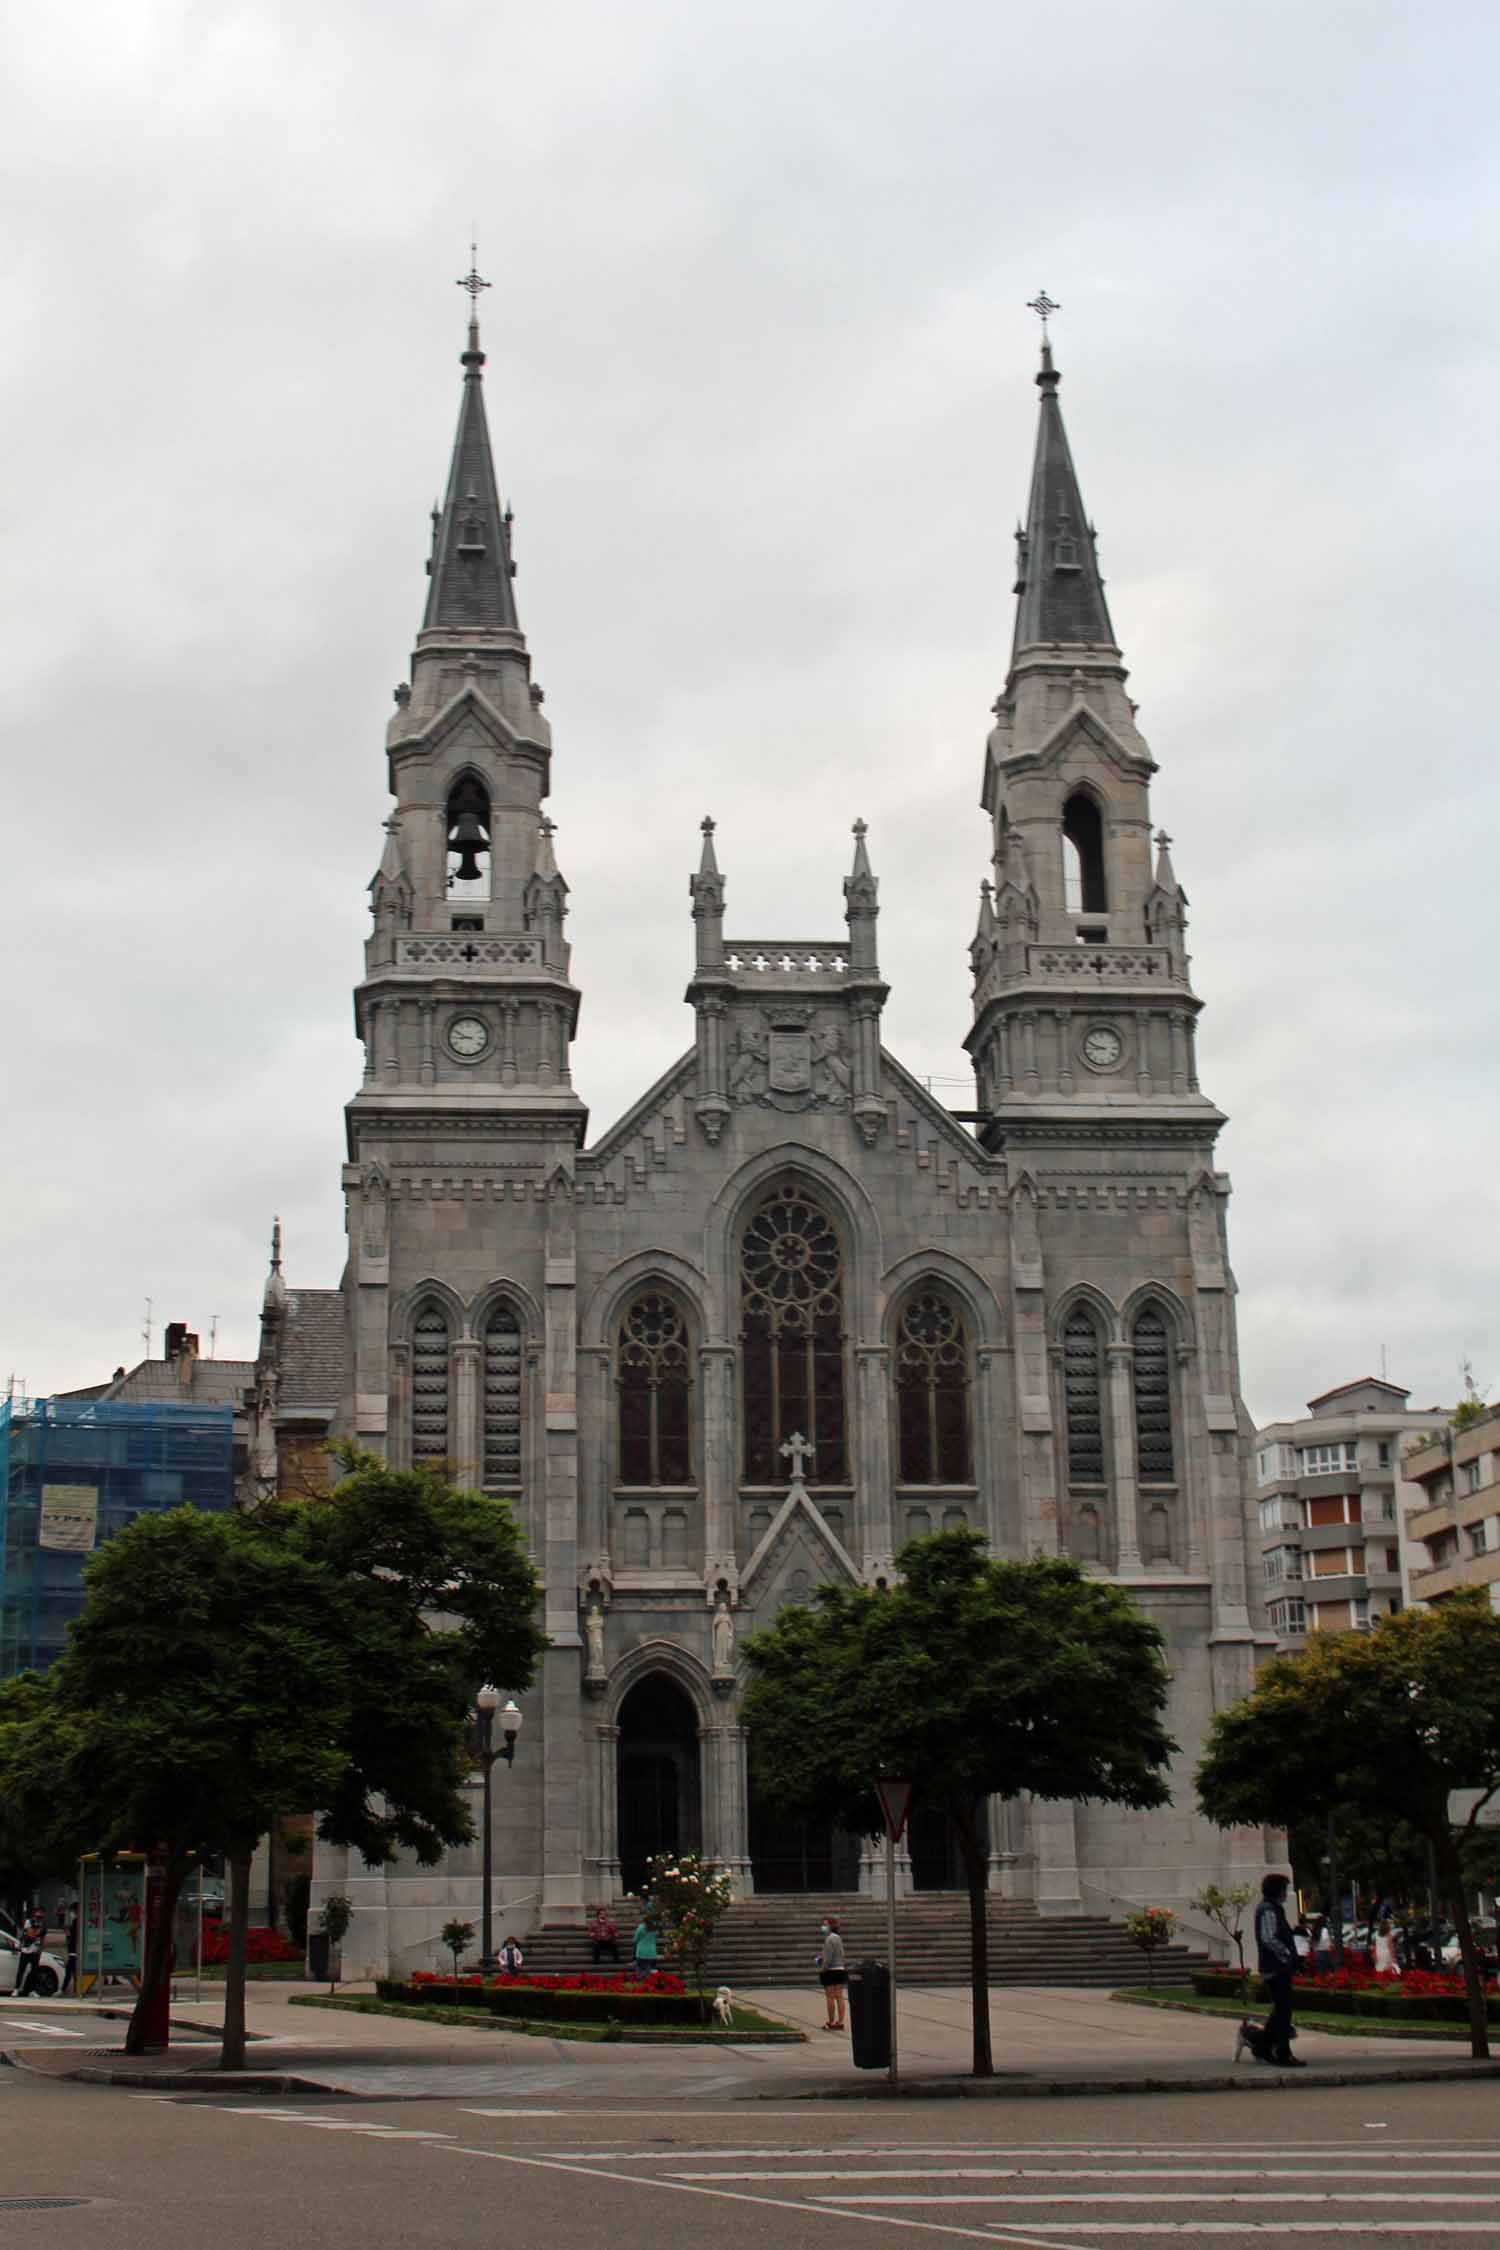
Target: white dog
{"x": 724, "y": 2006}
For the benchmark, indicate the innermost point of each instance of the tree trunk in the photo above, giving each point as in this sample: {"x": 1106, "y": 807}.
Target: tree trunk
{"x": 238, "y": 1863}
{"x": 977, "y": 1869}
{"x": 1445, "y": 1852}
{"x": 156, "y": 1964}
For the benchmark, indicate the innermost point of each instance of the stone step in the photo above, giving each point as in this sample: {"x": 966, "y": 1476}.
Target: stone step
{"x": 772, "y": 1940}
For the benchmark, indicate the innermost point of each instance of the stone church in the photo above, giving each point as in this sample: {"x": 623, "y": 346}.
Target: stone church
{"x": 790, "y": 1311}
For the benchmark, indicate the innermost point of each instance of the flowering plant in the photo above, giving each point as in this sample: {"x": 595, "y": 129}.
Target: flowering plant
{"x": 261, "y": 1946}
{"x": 688, "y": 1900}
{"x": 1150, "y": 1927}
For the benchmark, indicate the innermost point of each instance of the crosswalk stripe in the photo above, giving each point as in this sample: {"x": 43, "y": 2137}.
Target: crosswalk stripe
{"x": 1043, "y": 2172}
{"x": 1200, "y": 2227}
{"x": 1388, "y": 2152}
{"x": 1052, "y": 2202}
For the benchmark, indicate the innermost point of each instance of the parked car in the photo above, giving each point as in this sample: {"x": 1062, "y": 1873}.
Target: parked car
{"x": 48, "y": 1978}
{"x": 1484, "y": 1944}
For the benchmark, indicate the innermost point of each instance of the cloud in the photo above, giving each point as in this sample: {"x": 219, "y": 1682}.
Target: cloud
{"x": 760, "y": 387}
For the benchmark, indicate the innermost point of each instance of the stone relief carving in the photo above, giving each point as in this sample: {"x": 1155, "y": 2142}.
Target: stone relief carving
{"x": 790, "y": 1064}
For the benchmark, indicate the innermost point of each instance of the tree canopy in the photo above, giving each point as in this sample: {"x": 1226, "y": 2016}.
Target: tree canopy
{"x": 972, "y": 1678}
{"x": 322, "y": 1652}
{"x": 1380, "y": 1725}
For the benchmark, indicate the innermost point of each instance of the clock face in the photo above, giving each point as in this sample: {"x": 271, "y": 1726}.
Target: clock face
{"x": 468, "y": 1037}
{"x": 1103, "y": 1046}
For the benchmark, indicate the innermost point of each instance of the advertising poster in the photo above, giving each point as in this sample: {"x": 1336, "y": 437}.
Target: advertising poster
{"x": 112, "y": 1900}
{"x": 70, "y": 1518}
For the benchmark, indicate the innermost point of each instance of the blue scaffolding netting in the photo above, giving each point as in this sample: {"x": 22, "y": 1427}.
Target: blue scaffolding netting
{"x": 133, "y": 1460}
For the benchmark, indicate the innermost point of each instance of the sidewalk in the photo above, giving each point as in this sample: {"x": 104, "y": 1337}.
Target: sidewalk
{"x": 1046, "y": 2041}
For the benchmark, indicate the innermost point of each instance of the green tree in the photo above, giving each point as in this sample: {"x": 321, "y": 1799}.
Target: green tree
{"x": 974, "y": 1679}
{"x": 322, "y": 1652}
{"x": 1227, "y": 1908}
{"x": 336, "y": 1913}
{"x": 1381, "y": 1724}
{"x": 457, "y": 1936}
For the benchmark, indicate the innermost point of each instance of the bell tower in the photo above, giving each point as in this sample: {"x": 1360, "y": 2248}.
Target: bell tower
{"x": 466, "y": 1010}
{"x": 1082, "y": 1003}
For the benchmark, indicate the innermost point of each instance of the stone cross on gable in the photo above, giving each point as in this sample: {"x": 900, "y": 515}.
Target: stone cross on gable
{"x": 797, "y": 1451}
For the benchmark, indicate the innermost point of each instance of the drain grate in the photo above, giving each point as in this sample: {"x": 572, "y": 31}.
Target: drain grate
{"x": 43, "y": 2202}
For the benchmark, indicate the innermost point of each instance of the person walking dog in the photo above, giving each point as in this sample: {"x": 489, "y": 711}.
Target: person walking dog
{"x": 1276, "y": 1959}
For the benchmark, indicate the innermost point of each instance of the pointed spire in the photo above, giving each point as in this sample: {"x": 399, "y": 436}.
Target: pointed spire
{"x": 1060, "y": 593}
{"x": 392, "y": 867}
{"x": 1166, "y": 878}
{"x": 708, "y": 862}
{"x": 545, "y": 867}
{"x": 471, "y": 565}
{"x": 706, "y": 890}
{"x": 275, "y": 1290}
{"x": 861, "y": 904}
{"x": 985, "y": 933}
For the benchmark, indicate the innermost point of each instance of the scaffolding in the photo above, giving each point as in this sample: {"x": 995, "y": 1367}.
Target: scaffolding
{"x": 73, "y": 1472}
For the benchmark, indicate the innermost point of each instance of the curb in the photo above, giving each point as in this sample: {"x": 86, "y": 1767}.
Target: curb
{"x": 1027, "y": 2089}
{"x": 180, "y": 2081}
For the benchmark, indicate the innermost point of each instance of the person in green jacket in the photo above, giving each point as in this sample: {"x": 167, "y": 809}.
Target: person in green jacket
{"x": 645, "y": 1949}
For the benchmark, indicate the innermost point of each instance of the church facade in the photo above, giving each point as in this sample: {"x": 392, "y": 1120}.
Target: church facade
{"x": 790, "y": 1311}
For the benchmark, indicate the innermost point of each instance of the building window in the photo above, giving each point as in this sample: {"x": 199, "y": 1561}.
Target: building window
{"x": 1083, "y": 856}
{"x": 502, "y": 1397}
{"x": 1153, "y": 1399}
{"x": 1383, "y": 1453}
{"x": 1326, "y": 1460}
{"x": 1473, "y": 1475}
{"x": 429, "y": 1385}
{"x": 792, "y": 1338}
{"x": 932, "y": 1392}
{"x": 1083, "y": 1397}
{"x": 653, "y": 1376}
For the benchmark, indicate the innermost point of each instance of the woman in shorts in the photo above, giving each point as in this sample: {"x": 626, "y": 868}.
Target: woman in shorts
{"x": 833, "y": 1975}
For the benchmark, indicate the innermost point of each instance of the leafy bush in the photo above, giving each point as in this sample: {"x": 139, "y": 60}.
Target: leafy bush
{"x": 552, "y": 1999}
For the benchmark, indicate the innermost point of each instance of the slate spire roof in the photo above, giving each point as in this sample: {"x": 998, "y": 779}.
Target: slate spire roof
{"x": 471, "y": 566}
{"x": 1060, "y": 593}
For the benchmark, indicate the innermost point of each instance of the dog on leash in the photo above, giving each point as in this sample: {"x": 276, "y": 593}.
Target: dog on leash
{"x": 724, "y": 2007}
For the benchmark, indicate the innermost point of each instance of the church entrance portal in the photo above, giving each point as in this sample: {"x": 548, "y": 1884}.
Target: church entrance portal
{"x": 660, "y": 1789}
{"x": 799, "y": 1855}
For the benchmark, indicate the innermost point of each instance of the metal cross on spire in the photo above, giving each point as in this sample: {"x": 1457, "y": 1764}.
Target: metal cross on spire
{"x": 1042, "y": 305}
{"x": 473, "y": 281}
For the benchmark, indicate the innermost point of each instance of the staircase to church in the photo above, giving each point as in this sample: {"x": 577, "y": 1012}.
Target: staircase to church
{"x": 771, "y": 1940}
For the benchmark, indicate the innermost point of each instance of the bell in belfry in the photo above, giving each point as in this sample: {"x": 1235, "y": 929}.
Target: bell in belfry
{"x": 468, "y": 840}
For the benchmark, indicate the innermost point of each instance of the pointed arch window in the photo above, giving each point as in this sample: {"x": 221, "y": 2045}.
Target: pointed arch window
{"x": 502, "y": 1397}
{"x": 1083, "y": 1397}
{"x": 654, "y": 1387}
{"x": 932, "y": 1391}
{"x": 1084, "y": 887}
{"x": 1151, "y": 1369}
{"x": 792, "y": 1338}
{"x": 429, "y": 1385}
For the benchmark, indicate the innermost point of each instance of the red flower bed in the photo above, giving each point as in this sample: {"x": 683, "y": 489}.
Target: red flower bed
{"x": 1411, "y": 1984}
{"x": 260, "y": 1946}
{"x": 660, "y": 1980}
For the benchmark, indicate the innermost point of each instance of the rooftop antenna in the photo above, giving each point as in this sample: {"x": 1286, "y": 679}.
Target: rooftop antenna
{"x": 213, "y": 1337}
{"x": 146, "y": 1331}
{"x": 1384, "y": 1368}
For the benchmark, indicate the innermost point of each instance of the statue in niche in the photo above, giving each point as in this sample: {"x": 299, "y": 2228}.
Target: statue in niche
{"x": 593, "y": 1635}
{"x": 749, "y": 1073}
{"x": 723, "y": 1642}
{"x": 374, "y": 1186}
{"x": 830, "y": 1073}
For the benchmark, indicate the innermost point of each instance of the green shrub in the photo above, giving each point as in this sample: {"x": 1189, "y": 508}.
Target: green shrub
{"x": 511, "y": 2000}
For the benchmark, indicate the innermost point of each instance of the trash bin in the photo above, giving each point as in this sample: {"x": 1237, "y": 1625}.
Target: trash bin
{"x": 870, "y": 2015}
{"x": 317, "y": 1956}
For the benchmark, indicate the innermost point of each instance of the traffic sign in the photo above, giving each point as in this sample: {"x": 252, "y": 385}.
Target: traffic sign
{"x": 895, "y": 1802}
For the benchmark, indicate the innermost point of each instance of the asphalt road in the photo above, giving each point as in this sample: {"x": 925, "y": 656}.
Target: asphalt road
{"x": 1398, "y": 2164}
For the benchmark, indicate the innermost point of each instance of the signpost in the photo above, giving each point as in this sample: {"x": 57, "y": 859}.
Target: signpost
{"x": 895, "y": 1803}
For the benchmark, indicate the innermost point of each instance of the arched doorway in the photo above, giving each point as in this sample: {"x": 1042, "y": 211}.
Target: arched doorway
{"x": 799, "y": 1855}
{"x": 659, "y": 1779}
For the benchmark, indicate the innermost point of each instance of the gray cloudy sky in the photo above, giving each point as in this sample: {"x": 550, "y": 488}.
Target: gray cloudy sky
{"x": 760, "y": 388}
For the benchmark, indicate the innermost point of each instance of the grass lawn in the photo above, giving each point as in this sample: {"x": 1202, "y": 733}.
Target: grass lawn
{"x": 1352, "y": 2027}
{"x": 748, "y": 2023}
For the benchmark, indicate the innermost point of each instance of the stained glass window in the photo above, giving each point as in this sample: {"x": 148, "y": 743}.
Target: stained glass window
{"x": 654, "y": 1379}
{"x": 932, "y": 1392}
{"x": 792, "y": 1337}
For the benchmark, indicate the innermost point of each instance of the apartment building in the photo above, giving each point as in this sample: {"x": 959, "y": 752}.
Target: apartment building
{"x": 1453, "y": 1527}
{"x": 1333, "y": 1495}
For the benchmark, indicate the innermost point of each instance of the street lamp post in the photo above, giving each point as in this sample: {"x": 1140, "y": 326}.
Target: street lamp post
{"x": 486, "y": 1704}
